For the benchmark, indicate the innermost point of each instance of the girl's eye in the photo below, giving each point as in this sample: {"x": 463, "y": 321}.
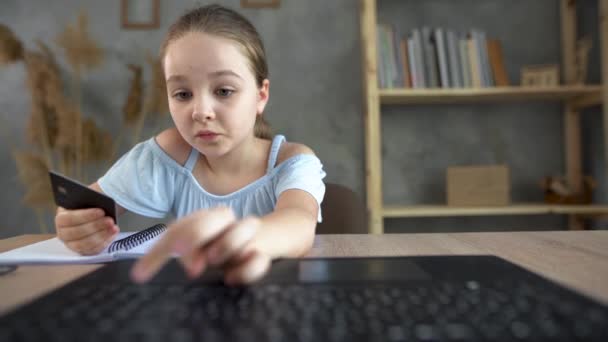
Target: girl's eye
{"x": 182, "y": 95}
{"x": 224, "y": 92}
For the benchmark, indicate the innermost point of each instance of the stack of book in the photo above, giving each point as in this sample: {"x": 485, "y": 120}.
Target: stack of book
{"x": 439, "y": 58}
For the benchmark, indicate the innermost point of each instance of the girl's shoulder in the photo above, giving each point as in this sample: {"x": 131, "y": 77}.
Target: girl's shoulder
{"x": 291, "y": 149}
{"x": 172, "y": 143}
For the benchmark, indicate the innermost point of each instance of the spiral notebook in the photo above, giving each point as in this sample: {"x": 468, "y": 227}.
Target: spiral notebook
{"x": 125, "y": 246}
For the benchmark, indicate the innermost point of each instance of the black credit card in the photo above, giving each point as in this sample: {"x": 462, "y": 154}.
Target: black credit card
{"x": 71, "y": 194}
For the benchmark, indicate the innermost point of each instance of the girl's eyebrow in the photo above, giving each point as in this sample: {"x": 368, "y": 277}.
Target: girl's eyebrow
{"x": 176, "y": 78}
{"x": 215, "y": 74}
{"x": 224, "y": 73}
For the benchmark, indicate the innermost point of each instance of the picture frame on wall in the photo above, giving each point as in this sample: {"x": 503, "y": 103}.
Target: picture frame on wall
{"x": 140, "y": 14}
{"x": 260, "y": 3}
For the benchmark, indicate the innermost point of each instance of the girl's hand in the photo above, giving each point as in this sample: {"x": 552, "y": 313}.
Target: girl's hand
{"x": 234, "y": 252}
{"x": 86, "y": 231}
{"x": 208, "y": 237}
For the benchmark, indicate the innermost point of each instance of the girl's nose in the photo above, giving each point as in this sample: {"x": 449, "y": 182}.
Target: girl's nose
{"x": 203, "y": 111}
{"x": 198, "y": 115}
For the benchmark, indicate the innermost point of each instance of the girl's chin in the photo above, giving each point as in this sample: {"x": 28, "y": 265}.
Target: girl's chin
{"x": 210, "y": 149}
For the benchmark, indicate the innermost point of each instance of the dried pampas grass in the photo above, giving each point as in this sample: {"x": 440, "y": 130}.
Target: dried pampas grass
{"x": 132, "y": 110}
{"x": 11, "y": 49}
{"x": 56, "y": 127}
{"x": 156, "y": 101}
{"x": 96, "y": 143}
{"x": 46, "y": 90}
{"x": 33, "y": 172}
{"x": 80, "y": 50}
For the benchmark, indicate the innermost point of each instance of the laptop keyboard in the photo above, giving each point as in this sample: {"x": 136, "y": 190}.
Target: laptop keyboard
{"x": 442, "y": 311}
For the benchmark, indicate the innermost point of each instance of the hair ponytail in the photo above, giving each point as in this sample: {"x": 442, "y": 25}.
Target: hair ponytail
{"x": 262, "y": 128}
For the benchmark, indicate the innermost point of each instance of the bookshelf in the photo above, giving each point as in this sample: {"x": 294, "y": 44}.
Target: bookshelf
{"x": 574, "y": 98}
{"x": 515, "y": 209}
{"x": 584, "y": 95}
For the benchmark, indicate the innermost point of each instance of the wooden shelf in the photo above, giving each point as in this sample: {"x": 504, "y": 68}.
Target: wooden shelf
{"x": 515, "y": 209}
{"x": 572, "y": 97}
{"x": 585, "y": 95}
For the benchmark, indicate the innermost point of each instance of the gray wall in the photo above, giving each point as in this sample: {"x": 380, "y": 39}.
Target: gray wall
{"x": 316, "y": 98}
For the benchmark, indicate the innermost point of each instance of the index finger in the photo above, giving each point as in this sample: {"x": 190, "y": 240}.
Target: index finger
{"x": 191, "y": 232}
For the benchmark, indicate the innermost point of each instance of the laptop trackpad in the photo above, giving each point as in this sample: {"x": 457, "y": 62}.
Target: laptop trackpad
{"x": 358, "y": 269}
{"x": 345, "y": 270}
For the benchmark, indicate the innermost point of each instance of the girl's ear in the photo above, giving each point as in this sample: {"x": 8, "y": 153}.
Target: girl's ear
{"x": 263, "y": 95}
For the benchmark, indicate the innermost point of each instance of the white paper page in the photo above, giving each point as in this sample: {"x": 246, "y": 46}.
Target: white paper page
{"x": 53, "y": 251}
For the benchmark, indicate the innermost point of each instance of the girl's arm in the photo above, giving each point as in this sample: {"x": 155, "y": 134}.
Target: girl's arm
{"x": 290, "y": 229}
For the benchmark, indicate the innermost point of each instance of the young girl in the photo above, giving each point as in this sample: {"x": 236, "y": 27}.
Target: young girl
{"x": 241, "y": 197}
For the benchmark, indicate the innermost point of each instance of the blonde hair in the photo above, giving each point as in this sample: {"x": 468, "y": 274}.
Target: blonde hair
{"x": 226, "y": 23}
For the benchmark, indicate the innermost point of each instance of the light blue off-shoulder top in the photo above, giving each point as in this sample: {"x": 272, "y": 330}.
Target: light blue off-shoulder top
{"x": 147, "y": 181}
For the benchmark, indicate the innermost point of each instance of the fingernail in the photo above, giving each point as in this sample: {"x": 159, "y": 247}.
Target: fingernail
{"x": 192, "y": 271}
{"x": 139, "y": 274}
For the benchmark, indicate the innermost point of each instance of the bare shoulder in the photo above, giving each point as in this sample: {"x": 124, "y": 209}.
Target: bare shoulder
{"x": 174, "y": 145}
{"x": 290, "y": 149}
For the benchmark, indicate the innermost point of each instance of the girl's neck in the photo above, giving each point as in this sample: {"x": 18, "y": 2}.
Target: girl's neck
{"x": 245, "y": 156}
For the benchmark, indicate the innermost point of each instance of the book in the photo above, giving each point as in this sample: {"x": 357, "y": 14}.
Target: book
{"x": 393, "y": 57}
{"x": 454, "y": 60}
{"x": 418, "y": 49}
{"x": 465, "y": 64}
{"x": 127, "y": 245}
{"x": 405, "y": 63}
{"x": 430, "y": 58}
{"x": 501, "y": 78}
{"x": 442, "y": 57}
{"x": 414, "y": 74}
{"x": 486, "y": 74}
{"x": 486, "y": 60}
{"x": 474, "y": 63}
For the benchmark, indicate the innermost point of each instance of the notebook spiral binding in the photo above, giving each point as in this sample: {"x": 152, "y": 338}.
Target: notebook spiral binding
{"x": 137, "y": 238}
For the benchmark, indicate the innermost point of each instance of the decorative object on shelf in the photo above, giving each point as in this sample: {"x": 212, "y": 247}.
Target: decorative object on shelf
{"x": 140, "y": 14}
{"x": 540, "y": 75}
{"x": 557, "y": 191}
{"x": 261, "y": 3}
{"x": 478, "y": 185}
{"x": 583, "y": 46}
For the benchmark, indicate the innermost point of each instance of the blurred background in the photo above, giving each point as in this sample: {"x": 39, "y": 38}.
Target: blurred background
{"x": 86, "y": 73}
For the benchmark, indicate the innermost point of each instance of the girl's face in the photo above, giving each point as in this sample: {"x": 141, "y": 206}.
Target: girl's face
{"x": 213, "y": 96}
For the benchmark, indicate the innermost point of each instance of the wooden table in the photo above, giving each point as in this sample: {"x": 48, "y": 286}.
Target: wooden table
{"x": 576, "y": 259}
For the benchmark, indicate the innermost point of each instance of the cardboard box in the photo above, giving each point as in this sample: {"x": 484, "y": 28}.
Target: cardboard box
{"x": 478, "y": 185}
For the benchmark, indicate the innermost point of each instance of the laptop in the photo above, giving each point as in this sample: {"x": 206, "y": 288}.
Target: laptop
{"x": 421, "y": 298}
